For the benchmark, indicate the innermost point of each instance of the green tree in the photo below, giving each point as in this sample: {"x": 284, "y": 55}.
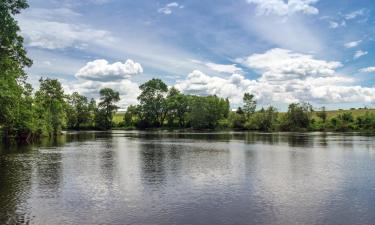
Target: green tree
{"x": 50, "y": 101}
{"x": 131, "y": 116}
{"x": 264, "y": 120}
{"x": 92, "y": 110}
{"x": 79, "y": 115}
{"x": 366, "y": 121}
{"x": 322, "y": 114}
{"x": 15, "y": 110}
{"x": 177, "y": 107}
{"x": 237, "y": 119}
{"x": 249, "y": 104}
{"x": 206, "y": 112}
{"x": 106, "y": 107}
{"x": 343, "y": 122}
{"x": 297, "y": 117}
{"x": 153, "y": 103}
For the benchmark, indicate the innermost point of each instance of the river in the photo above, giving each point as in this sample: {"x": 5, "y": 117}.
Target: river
{"x": 150, "y": 178}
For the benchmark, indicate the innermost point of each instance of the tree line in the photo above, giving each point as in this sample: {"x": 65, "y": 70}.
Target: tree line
{"x": 169, "y": 108}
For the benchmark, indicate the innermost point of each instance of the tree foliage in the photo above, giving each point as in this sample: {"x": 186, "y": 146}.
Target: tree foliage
{"x": 249, "y": 104}
{"x": 297, "y": 118}
{"x": 50, "y": 102}
{"x": 153, "y": 103}
{"x": 106, "y": 107}
{"x": 14, "y": 91}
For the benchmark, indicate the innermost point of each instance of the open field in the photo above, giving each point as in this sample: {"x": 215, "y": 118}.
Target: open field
{"x": 118, "y": 117}
{"x": 355, "y": 112}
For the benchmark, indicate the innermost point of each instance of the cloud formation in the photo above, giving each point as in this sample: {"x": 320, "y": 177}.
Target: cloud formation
{"x": 352, "y": 44}
{"x": 359, "y": 54}
{"x": 367, "y": 69}
{"x": 128, "y": 90}
{"x": 333, "y": 24}
{"x": 355, "y": 14}
{"x": 168, "y": 8}
{"x": 48, "y": 34}
{"x": 101, "y": 70}
{"x": 286, "y": 77}
{"x": 282, "y": 8}
{"x": 282, "y": 64}
{"x": 99, "y": 74}
{"x": 223, "y": 68}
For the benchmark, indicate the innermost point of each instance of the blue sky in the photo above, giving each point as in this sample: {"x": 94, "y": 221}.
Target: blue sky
{"x": 281, "y": 51}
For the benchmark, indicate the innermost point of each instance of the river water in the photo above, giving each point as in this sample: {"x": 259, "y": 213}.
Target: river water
{"x": 189, "y": 178}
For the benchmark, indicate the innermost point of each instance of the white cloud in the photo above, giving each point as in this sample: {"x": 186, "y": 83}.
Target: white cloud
{"x": 355, "y": 14}
{"x": 168, "y": 8}
{"x": 202, "y": 84}
{"x": 281, "y": 64}
{"x": 367, "y": 69}
{"x": 359, "y": 54}
{"x": 128, "y": 90}
{"x": 58, "y": 35}
{"x": 333, "y": 24}
{"x": 101, "y": 70}
{"x": 99, "y": 74}
{"x": 352, "y": 44}
{"x": 222, "y": 68}
{"x": 285, "y": 77}
{"x": 282, "y": 8}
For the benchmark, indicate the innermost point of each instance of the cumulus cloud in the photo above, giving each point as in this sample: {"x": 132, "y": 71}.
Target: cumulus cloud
{"x": 367, "y": 69}
{"x": 99, "y": 74}
{"x": 281, "y": 64}
{"x": 101, "y": 70}
{"x": 223, "y": 68}
{"x": 352, "y": 44}
{"x": 128, "y": 90}
{"x": 202, "y": 84}
{"x": 282, "y": 8}
{"x": 359, "y": 54}
{"x": 168, "y": 8}
{"x": 286, "y": 77}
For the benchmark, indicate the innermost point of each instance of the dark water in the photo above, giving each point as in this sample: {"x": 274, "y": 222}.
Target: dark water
{"x": 164, "y": 178}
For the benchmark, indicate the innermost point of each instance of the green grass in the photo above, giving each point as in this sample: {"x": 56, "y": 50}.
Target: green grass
{"x": 118, "y": 117}
{"x": 355, "y": 112}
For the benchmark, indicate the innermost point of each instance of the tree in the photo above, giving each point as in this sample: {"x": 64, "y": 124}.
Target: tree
{"x": 78, "y": 108}
{"x": 249, "y": 104}
{"x": 50, "y": 101}
{"x": 130, "y": 116}
{"x": 106, "y": 107}
{"x": 177, "y": 107}
{"x": 205, "y": 112}
{"x": 264, "y": 120}
{"x": 322, "y": 114}
{"x": 15, "y": 93}
{"x": 152, "y": 102}
{"x": 297, "y": 117}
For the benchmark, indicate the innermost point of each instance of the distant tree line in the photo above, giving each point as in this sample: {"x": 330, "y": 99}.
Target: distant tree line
{"x": 160, "y": 107}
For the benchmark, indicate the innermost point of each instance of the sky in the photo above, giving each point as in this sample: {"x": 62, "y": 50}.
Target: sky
{"x": 282, "y": 51}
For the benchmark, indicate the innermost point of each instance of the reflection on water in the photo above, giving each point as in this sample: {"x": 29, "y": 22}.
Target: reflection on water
{"x": 189, "y": 178}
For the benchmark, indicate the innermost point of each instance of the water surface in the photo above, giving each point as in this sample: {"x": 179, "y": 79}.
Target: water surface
{"x": 172, "y": 178}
